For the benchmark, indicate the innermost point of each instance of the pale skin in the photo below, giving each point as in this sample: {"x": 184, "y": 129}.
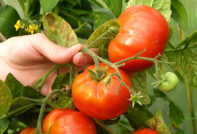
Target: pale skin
{"x": 29, "y": 57}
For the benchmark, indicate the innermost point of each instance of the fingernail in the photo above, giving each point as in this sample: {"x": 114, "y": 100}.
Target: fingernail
{"x": 81, "y": 60}
{"x": 78, "y": 46}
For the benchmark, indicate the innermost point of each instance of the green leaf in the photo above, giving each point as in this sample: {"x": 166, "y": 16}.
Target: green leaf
{"x": 163, "y": 6}
{"x": 180, "y": 132}
{"x": 100, "y": 14}
{"x": 122, "y": 126}
{"x": 5, "y": 98}
{"x": 137, "y": 116}
{"x": 61, "y": 80}
{"x": 14, "y": 85}
{"x": 48, "y": 5}
{"x": 17, "y": 89}
{"x": 30, "y": 7}
{"x": 115, "y": 6}
{"x": 8, "y": 18}
{"x": 139, "y": 83}
{"x": 4, "y": 125}
{"x": 73, "y": 73}
{"x": 179, "y": 13}
{"x": 190, "y": 40}
{"x": 159, "y": 93}
{"x": 104, "y": 42}
{"x": 176, "y": 115}
{"x": 21, "y": 105}
{"x": 186, "y": 64}
{"x": 65, "y": 100}
{"x": 157, "y": 123}
{"x": 58, "y": 30}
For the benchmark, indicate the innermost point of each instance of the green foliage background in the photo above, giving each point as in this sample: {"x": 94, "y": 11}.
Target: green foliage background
{"x": 179, "y": 94}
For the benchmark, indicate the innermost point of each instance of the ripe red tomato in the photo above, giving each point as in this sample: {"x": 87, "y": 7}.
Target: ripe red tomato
{"x": 52, "y": 117}
{"x": 68, "y": 121}
{"x": 141, "y": 28}
{"x": 145, "y": 131}
{"x": 98, "y": 100}
{"x": 28, "y": 130}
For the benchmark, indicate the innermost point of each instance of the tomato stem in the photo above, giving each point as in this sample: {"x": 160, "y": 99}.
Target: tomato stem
{"x": 39, "y": 83}
{"x": 190, "y": 101}
{"x": 180, "y": 49}
{"x": 97, "y": 39}
{"x": 42, "y": 110}
{"x": 18, "y": 110}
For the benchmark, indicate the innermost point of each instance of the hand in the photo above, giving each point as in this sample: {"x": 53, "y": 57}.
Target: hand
{"x": 29, "y": 57}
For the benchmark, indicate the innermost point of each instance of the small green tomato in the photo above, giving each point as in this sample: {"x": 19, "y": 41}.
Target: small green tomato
{"x": 170, "y": 82}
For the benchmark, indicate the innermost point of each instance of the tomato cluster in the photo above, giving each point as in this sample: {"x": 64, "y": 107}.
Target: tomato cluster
{"x": 141, "y": 28}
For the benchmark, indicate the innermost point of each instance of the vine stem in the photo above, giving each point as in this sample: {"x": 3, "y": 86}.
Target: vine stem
{"x": 180, "y": 49}
{"x": 20, "y": 109}
{"x": 97, "y": 39}
{"x": 190, "y": 101}
{"x": 41, "y": 115}
{"x": 2, "y": 37}
{"x": 103, "y": 126}
{"x": 181, "y": 33}
{"x": 43, "y": 78}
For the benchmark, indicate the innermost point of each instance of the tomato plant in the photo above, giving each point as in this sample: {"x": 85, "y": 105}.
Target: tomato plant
{"x": 141, "y": 28}
{"x": 68, "y": 121}
{"x": 98, "y": 100}
{"x": 145, "y": 131}
{"x": 28, "y": 130}
{"x": 134, "y": 32}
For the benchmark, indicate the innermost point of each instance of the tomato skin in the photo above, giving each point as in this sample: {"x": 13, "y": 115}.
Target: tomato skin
{"x": 98, "y": 100}
{"x": 170, "y": 83}
{"x": 145, "y": 131}
{"x": 73, "y": 123}
{"x": 28, "y": 130}
{"x": 68, "y": 121}
{"x": 141, "y": 28}
{"x": 52, "y": 117}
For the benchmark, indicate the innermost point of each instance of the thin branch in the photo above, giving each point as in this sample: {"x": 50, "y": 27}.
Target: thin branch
{"x": 2, "y": 37}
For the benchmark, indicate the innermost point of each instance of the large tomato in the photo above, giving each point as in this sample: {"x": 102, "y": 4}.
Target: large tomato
{"x": 98, "y": 100}
{"x": 141, "y": 28}
{"x": 28, "y": 130}
{"x": 145, "y": 131}
{"x": 68, "y": 121}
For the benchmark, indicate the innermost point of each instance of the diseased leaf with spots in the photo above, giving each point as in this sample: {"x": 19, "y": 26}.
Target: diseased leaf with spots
{"x": 104, "y": 42}
{"x": 186, "y": 60}
{"x": 157, "y": 123}
{"x": 59, "y": 31}
{"x": 139, "y": 83}
{"x": 5, "y": 98}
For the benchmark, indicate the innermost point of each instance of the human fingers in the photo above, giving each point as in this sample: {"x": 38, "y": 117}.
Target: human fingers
{"x": 83, "y": 59}
{"x": 55, "y": 53}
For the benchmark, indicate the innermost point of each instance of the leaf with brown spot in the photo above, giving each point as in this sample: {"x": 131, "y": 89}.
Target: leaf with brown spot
{"x": 104, "y": 42}
{"x": 59, "y": 31}
{"x": 157, "y": 123}
{"x": 5, "y": 98}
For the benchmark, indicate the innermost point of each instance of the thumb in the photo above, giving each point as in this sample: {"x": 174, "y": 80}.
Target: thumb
{"x": 53, "y": 52}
